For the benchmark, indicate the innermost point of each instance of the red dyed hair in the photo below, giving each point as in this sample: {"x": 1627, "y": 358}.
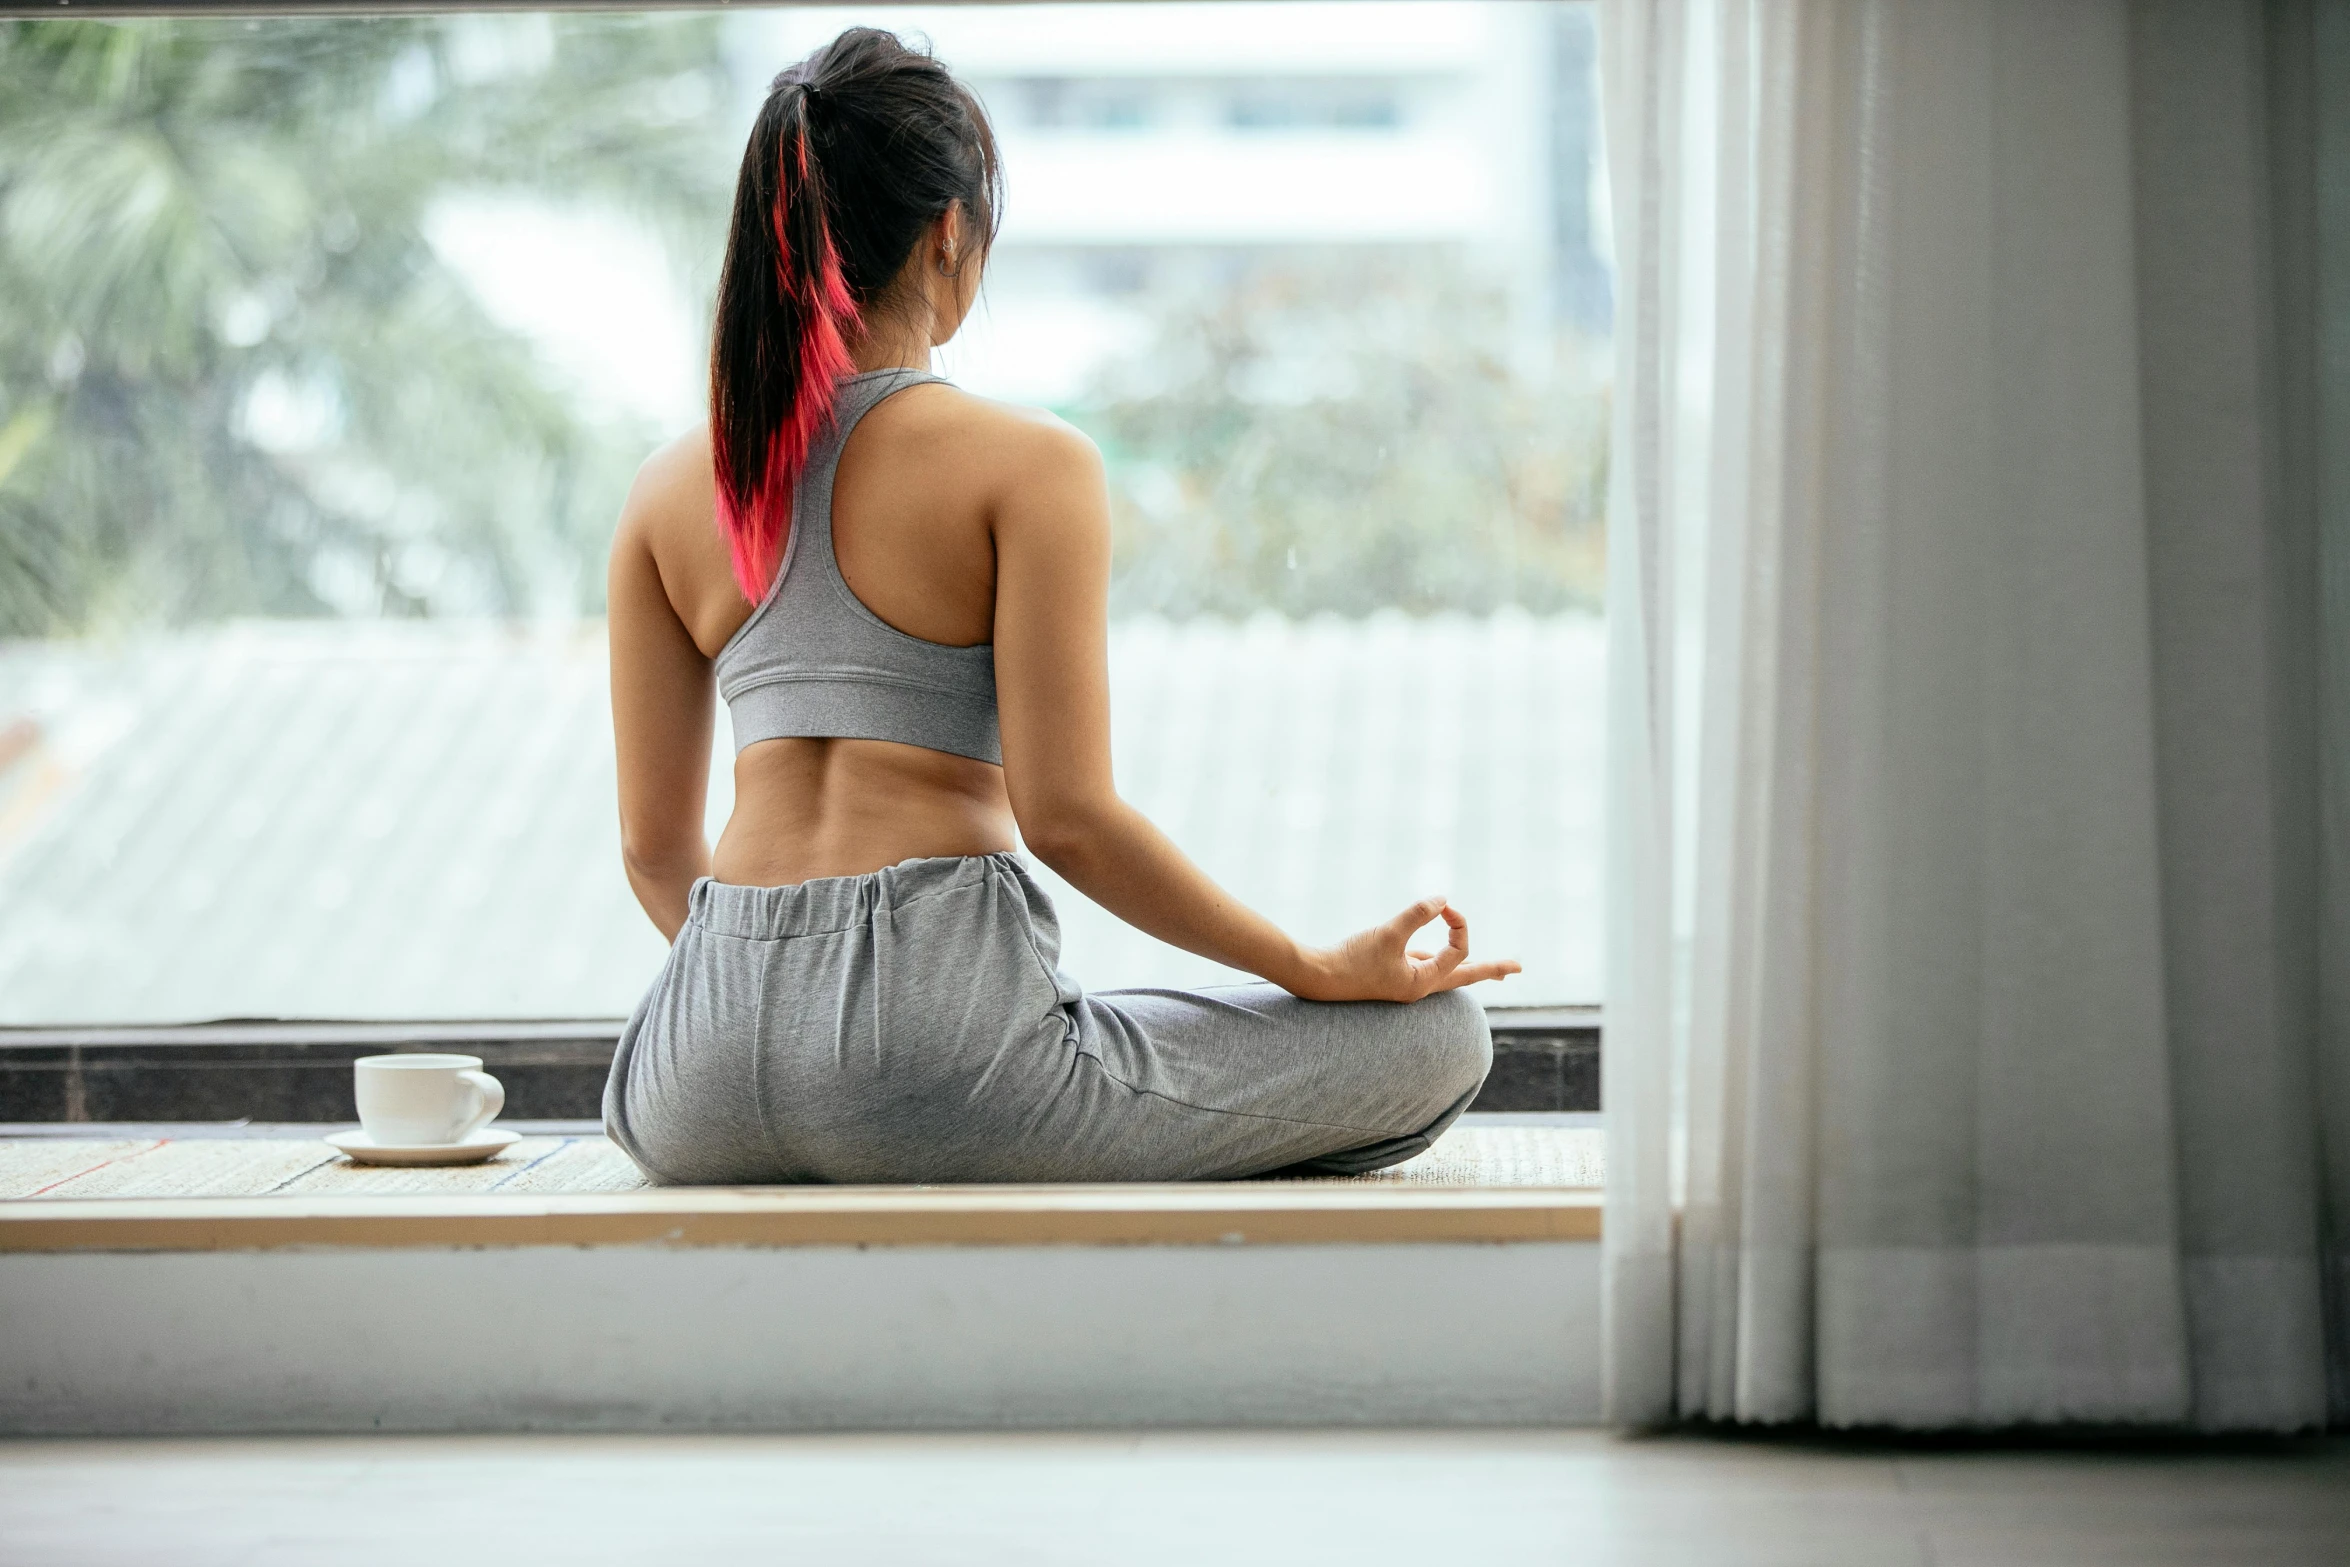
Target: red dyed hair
{"x": 789, "y": 328}
{"x": 863, "y": 116}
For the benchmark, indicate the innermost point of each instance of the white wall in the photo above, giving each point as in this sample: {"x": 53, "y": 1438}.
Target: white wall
{"x": 805, "y": 1338}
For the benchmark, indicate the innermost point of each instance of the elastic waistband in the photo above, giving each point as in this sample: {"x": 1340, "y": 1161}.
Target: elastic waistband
{"x": 811, "y": 908}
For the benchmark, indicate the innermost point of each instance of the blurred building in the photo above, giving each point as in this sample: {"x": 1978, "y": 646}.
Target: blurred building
{"x": 1156, "y": 149}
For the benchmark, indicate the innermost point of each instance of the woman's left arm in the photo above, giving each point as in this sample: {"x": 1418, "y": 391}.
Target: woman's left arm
{"x": 662, "y": 710}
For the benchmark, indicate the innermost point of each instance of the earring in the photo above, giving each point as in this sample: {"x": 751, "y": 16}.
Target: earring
{"x": 944, "y": 268}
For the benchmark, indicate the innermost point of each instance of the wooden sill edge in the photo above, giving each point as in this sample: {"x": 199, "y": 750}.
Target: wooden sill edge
{"x": 834, "y": 1216}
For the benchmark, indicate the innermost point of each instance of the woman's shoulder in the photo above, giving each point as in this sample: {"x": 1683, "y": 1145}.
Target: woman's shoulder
{"x": 674, "y": 483}
{"x": 1025, "y": 471}
{"x": 676, "y": 477}
{"x": 986, "y": 435}
{"x": 669, "y": 519}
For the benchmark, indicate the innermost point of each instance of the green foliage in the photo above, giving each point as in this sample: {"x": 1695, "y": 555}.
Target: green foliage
{"x": 1348, "y": 434}
{"x": 236, "y": 378}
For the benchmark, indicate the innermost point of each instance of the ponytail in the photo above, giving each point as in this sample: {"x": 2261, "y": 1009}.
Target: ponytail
{"x": 784, "y": 322}
{"x": 804, "y": 263}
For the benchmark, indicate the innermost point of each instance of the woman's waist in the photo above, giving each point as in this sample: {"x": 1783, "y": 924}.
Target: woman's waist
{"x": 810, "y": 810}
{"x": 762, "y": 862}
{"x": 822, "y": 905}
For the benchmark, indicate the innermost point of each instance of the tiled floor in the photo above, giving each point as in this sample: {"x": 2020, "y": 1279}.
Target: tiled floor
{"x": 1199, "y": 1499}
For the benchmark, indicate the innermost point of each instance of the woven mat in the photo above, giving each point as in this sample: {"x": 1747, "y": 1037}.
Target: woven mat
{"x": 257, "y": 1167}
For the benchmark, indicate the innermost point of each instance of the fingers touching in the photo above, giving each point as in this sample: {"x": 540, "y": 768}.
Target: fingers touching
{"x": 1450, "y": 968}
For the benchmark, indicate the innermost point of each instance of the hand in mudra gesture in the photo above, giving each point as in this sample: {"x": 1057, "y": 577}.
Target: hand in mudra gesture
{"x": 1380, "y": 964}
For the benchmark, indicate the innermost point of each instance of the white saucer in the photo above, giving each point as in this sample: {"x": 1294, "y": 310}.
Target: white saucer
{"x": 487, "y": 1143}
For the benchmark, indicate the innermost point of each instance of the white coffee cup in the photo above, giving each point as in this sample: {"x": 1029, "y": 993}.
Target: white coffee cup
{"x": 422, "y": 1100}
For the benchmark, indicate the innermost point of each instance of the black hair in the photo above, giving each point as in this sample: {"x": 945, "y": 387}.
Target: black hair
{"x": 858, "y": 149}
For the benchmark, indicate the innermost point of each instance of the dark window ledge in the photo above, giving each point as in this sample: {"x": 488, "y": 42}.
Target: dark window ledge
{"x": 1544, "y": 1058}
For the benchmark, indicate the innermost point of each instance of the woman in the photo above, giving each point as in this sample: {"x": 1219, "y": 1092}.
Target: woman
{"x": 900, "y": 590}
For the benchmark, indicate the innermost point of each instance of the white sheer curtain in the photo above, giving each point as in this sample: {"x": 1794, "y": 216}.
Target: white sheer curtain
{"x": 1978, "y": 1043}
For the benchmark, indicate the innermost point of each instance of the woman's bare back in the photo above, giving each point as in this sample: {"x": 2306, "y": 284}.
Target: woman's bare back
{"x": 912, "y": 520}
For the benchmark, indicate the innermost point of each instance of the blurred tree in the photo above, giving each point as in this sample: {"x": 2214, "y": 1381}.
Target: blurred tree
{"x": 1346, "y": 434}
{"x": 236, "y": 378}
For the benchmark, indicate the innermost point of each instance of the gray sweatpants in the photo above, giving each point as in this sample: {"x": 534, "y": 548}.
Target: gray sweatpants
{"x": 914, "y": 1025}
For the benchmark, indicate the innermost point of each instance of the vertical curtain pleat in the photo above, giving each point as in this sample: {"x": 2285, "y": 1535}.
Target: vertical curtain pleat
{"x": 2010, "y": 1077}
{"x": 2309, "y": 57}
{"x": 1709, "y": 1253}
{"x": 1642, "y": 47}
{"x": 2234, "y": 650}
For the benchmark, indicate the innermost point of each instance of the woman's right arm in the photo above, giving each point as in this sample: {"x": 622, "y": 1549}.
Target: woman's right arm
{"x": 1052, "y": 541}
{"x": 663, "y": 706}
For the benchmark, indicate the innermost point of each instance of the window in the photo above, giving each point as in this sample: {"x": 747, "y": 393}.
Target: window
{"x": 333, "y": 343}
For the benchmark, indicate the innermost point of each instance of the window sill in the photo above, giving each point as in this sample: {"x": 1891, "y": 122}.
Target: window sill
{"x": 846, "y": 1216}
{"x": 1544, "y": 1059}
{"x": 1509, "y": 1178}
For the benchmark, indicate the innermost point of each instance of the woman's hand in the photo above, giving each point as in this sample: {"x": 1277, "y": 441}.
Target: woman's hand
{"x": 1380, "y": 964}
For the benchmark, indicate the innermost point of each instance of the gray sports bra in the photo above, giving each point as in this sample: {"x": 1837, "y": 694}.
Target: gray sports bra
{"x": 814, "y": 661}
